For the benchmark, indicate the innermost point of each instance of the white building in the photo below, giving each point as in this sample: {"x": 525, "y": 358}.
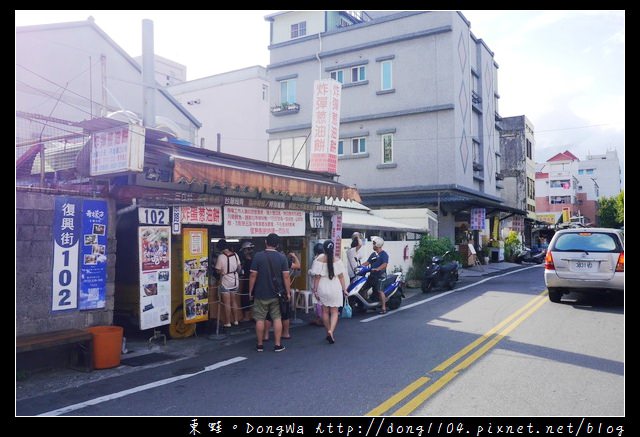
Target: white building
{"x": 168, "y": 72}
{"x": 75, "y": 71}
{"x": 233, "y": 108}
{"x": 600, "y": 175}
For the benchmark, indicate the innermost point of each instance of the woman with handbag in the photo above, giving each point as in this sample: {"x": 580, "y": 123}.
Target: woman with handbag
{"x": 329, "y": 287}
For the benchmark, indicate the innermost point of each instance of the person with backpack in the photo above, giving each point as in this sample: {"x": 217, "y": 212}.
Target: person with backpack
{"x": 227, "y": 267}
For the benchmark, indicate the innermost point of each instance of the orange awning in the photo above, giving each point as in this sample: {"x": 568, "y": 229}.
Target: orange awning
{"x": 232, "y": 177}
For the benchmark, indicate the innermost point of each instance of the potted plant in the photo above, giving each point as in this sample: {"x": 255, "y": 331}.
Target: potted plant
{"x": 486, "y": 253}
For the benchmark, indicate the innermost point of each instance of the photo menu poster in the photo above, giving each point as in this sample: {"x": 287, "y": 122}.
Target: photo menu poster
{"x": 195, "y": 274}
{"x": 155, "y": 275}
{"x": 93, "y": 255}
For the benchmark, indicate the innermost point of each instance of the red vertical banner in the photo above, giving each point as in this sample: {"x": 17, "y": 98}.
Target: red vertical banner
{"x": 325, "y": 126}
{"x": 336, "y": 233}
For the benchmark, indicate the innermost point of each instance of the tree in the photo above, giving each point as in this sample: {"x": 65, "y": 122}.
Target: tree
{"x": 611, "y": 211}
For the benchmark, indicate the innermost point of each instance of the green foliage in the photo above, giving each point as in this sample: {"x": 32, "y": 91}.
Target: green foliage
{"x": 428, "y": 248}
{"x": 611, "y": 211}
{"x": 511, "y": 245}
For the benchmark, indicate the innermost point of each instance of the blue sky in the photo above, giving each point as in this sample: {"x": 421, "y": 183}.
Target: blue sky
{"x": 564, "y": 70}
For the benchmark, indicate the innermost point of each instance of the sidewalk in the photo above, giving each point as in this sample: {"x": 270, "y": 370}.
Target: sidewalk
{"x": 155, "y": 353}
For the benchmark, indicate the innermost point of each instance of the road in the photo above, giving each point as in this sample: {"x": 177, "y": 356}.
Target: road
{"x": 494, "y": 348}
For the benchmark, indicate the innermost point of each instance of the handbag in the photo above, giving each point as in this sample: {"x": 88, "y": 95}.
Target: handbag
{"x": 347, "y": 312}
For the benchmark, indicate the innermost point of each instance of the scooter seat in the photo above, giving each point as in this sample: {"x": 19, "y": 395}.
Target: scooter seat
{"x": 448, "y": 267}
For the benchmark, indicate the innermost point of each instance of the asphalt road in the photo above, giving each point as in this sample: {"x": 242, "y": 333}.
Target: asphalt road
{"x": 497, "y": 347}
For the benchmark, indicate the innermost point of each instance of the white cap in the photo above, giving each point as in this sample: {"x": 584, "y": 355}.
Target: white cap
{"x": 246, "y": 244}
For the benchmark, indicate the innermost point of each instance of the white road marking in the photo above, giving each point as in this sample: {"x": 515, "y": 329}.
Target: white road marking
{"x": 438, "y": 296}
{"x": 133, "y": 390}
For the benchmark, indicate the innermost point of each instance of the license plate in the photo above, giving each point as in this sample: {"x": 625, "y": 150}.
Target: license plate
{"x": 585, "y": 266}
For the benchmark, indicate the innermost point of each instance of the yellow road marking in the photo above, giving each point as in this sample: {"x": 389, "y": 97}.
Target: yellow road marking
{"x": 534, "y": 303}
{"x": 393, "y": 400}
{"x": 427, "y": 393}
{"x": 442, "y": 366}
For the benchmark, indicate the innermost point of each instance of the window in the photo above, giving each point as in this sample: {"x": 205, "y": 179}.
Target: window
{"x": 298, "y": 29}
{"x": 561, "y": 183}
{"x": 340, "y": 147}
{"x": 386, "y": 82}
{"x": 477, "y": 153}
{"x": 531, "y": 189}
{"x": 529, "y": 150}
{"x": 358, "y": 74}
{"x": 288, "y": 91}
{"x": 338, "y": 75}
{"x": 581, "y": 171}
{"x": 555, "y": 200}
{"x": 387, "y": 148}
{"x": 358, "y": 145}
{"x": 498, "y": 166}
{"x": 265, "y": 92}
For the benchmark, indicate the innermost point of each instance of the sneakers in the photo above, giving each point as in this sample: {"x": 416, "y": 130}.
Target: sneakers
{"x": 259, "y": 348}
{"x": 278, "y": 348}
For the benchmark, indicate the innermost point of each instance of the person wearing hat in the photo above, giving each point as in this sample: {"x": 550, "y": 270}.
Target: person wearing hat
{"x": 246, "y": 256}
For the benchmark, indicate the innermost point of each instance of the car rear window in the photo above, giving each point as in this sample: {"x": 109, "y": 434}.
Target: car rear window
{"x": 587, "y": 241}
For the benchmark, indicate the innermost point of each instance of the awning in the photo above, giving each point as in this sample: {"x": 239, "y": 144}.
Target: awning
{"x": 223, "y": 175}
{"x": 359, "y": 220}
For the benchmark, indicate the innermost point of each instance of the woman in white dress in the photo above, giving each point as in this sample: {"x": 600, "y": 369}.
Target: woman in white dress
{"x": 329, "y": 287}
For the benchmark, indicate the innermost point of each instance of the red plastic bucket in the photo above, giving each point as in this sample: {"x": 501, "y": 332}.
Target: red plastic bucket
{"x": 107, "y": 345}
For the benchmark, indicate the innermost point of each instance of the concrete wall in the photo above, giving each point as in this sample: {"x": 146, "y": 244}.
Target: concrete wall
{"x": 34, "y": 268}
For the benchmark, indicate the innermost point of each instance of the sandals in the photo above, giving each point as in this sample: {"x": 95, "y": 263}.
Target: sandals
{"x": 382, "y": 312}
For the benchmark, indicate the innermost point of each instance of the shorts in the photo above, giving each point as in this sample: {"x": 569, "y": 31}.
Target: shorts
{"x": 284, "y": 310}
{"x": 264, "y": 307}
{"x": 223, "y": 289}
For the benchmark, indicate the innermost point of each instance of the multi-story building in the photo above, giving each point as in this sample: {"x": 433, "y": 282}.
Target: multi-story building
{"x": 233, "y": 108}
{"x": 558, "y": 189}
{"x": 167, "y": 72}
{"x": 419, "y": 110}
{"x": 600, "y": 175}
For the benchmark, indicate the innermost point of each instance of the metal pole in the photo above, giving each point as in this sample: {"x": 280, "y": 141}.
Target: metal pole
{"x": 217, "y": 335}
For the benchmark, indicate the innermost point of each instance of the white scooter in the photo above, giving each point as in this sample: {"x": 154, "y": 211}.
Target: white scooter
{"x": 361, "y": 301}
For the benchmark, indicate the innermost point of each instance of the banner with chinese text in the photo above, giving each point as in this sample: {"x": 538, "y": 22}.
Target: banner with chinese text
{"x": 201, "y": 215}
{"x": 67, "y": 224}
{"x": 93, "y": 262}
{"x": 155, "y": 275}
{"x": 195, "y": 278}
{"x": 336, "y": 233}
{"x": 325, "y": 125}
{"x": 259, "y": 222}
{"x": 476, "y": 219}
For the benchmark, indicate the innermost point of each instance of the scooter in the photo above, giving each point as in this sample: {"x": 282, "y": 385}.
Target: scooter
{"x": 528, "y": 255}
{"x": 392, "y": 287}
{"x": 440, "y": 274}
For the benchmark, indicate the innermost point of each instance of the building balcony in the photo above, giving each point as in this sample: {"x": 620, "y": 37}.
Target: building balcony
{"x": 499, "y": 177}
{"x": 285, "y": 109}
{"x": 475, "y": 98}
{"x": 477, "y": 166}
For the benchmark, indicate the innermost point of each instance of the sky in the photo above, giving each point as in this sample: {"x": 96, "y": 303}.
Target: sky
{"x": 564, "y": 70}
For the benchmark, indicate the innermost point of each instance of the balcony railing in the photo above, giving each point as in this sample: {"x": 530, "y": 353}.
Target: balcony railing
{"x": 499, "y": 177}
{"x": 285, "y": 108}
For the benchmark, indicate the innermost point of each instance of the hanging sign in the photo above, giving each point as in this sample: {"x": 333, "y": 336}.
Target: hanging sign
{"x": 477, "y": 217}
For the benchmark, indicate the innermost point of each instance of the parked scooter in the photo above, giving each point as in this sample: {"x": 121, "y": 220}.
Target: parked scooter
{"x": 526, "y": 254}
{"x": 368, "y": 300}
{"x": 440, "y": 273}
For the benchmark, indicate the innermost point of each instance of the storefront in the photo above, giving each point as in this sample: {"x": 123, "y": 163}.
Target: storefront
{"x": 171, "y": 217}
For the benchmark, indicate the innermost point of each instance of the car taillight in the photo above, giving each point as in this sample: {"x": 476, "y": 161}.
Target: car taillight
{"x": 620, "y": 264}
{"x": 548, "y": 262}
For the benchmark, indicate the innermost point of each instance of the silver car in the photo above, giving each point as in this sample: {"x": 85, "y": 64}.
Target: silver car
{"x": 589, "y": 259}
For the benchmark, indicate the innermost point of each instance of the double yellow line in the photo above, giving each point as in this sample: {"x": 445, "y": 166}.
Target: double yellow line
{"x": 490, "y": 339}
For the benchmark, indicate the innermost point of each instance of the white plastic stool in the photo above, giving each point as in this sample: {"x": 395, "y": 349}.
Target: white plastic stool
{"x": 304, "y": 300}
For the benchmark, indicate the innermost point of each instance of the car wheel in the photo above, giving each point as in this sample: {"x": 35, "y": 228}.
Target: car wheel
{"x": 555, "y": 295}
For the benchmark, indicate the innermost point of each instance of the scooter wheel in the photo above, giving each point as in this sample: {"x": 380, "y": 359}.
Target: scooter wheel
{"x": 427, "y": 286}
